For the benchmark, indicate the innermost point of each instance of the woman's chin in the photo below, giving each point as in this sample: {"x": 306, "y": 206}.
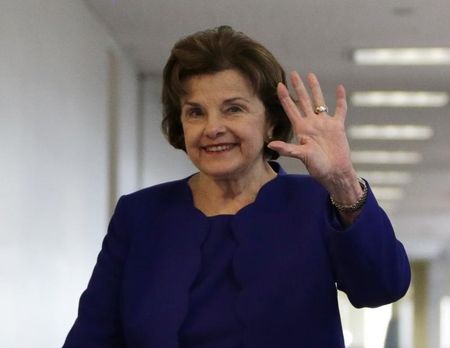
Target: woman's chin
{"x": 220, "y": 173}
{"x": 236, "y": 170}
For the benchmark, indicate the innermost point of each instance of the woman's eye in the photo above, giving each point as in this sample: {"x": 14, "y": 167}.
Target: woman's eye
{"x": 234, "y": 109}
{"x": 196, "y": 112}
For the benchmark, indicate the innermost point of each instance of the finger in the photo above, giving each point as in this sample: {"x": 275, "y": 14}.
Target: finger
{"x": 288, "y": 104}
{"x": 316, "y": 91}
{"x": 286, "y": 149}
{"x": 302, "y": 93}
{"x": 341, "y": 102}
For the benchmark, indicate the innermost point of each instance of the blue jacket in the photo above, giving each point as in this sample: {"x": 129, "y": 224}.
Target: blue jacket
{"x": 292, "y": 255}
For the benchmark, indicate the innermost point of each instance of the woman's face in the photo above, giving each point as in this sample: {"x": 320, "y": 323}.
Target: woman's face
{"x": 224, "y": 125}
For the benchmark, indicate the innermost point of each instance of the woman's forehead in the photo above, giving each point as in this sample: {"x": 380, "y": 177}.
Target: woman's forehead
{"x": 224, "y": 84}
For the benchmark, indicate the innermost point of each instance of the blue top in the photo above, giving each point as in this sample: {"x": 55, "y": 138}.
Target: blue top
{"x": 289, "y": 259}
{"x": 211, "y": 320}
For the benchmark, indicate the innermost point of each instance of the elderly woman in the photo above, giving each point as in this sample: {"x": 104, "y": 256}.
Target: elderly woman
{"x": 241, "y": 254}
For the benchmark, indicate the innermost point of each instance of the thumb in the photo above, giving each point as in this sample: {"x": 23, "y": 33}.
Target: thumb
{"x": 287, "y": 149}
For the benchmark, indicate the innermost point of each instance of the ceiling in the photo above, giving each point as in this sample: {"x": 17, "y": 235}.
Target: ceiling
{"x": 319, "y": 36}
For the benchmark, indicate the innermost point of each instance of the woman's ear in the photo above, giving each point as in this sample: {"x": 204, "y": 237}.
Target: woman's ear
{"x": 268, "y": 137}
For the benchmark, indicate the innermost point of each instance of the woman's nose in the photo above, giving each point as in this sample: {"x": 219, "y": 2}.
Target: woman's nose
{"x": 214, "y": 126}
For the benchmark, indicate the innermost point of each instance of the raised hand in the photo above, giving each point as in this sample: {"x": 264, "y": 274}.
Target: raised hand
{"x": 321, "y": 142}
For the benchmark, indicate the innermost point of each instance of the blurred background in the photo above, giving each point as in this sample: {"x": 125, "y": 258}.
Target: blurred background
{"x": 79, "y": 126}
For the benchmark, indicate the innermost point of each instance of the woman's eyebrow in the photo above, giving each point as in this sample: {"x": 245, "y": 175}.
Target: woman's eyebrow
{"x": 226, "y": 101}
{"x": 231, "y": 100}
{"x": 190, "y": 103}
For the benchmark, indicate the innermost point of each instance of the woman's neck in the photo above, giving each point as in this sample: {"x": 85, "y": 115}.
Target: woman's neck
{"x": 214, "y": 196}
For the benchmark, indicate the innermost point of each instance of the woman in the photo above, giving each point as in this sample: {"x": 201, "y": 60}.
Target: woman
{"x": 241, "y": 254}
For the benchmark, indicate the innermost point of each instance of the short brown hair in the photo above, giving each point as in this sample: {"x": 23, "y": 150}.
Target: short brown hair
{"x": 212, "y": 51}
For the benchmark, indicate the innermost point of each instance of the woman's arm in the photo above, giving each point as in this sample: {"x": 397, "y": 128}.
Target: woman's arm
{"x": 370, "y": 265}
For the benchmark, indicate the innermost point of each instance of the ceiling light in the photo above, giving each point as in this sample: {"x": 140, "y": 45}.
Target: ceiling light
{"x": 390, "y": 132}
{"x": 399, "y": 99}
{"x": 402, "y": 56}
{"x": 386, "y": 157}
{"x": 387, "y": 193}
{"x": 386, "y": 177}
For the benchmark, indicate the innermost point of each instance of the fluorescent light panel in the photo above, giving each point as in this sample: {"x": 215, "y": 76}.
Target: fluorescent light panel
{"x": 386, "y": 177}
{"x": 390, "y": 132}
{"x": 386, "y": 157}
{"x": 399, "y": 99}
{"x": 402, "y": 56}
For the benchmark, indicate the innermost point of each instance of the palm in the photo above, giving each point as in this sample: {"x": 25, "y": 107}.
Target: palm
{"x": 321, "y": 143}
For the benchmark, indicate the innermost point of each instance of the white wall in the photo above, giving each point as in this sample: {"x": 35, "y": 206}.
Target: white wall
{"x": 56, "y": 83}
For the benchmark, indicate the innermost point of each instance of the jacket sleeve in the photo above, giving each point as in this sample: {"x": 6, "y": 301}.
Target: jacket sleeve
{"x": 370, "y": 264}
{"x": 98, "y": 322}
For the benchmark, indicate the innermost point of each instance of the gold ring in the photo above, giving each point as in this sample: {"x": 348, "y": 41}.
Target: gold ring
{"x": 321, "y": 108}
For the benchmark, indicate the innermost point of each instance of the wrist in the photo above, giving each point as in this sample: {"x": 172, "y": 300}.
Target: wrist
{"x": 356, "y": 204}
{"x": 345, "y": 189}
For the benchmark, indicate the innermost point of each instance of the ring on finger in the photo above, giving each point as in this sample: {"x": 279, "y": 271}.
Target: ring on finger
{"x": 321, "y": 108}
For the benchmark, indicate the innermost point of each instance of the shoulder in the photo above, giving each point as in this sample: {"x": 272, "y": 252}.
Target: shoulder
{"x": 158, "y": 190}
{"x": 292, "y": 192}
{"x": 157, "y": 196}
{"x": 301, "y": 183}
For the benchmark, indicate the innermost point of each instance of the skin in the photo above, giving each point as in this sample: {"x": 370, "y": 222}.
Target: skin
{"x": 321, "y": 142}
{"x": 222, "y": 110}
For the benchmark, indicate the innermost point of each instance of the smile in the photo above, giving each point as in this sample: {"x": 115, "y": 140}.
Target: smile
{"x": 218, "y": 148}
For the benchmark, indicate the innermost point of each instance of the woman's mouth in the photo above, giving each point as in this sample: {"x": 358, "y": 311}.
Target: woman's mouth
{"x": 218, "y": 148}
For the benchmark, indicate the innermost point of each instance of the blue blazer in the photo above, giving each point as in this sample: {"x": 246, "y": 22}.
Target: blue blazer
{"x": 292, "y": 255}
